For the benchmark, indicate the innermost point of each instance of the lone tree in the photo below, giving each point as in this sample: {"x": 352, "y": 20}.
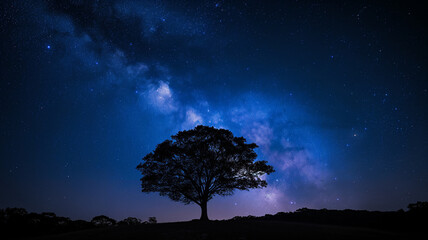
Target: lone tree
{"x": 200, "y": 163}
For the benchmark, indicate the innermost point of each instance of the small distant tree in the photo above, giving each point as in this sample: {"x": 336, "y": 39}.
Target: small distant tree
{"x": 152, "y": 220}
{"x": 48, "y": 218}
{"x": 11, "y": 212}
{"x": 418, "y": 207}
{"x": 63, "y": 221}
{"x": 130, "y": 221}
{"x": 48, "y": 215}
{"x": 103, "y": 221}
{"x": 15, "y": 215}
{"x": 200, "y": 163}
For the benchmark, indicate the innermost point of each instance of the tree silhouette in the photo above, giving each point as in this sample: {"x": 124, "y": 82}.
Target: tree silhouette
{"x": 131, "y": 221}
{"x": 152, "y": 220}
{"x": 419, "y": 207}
{"x": 200, "y": 163}
{"x": 103, "y": 221}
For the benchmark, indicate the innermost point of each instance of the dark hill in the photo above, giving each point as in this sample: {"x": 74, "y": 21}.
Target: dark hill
{"x": 17, "y": 223}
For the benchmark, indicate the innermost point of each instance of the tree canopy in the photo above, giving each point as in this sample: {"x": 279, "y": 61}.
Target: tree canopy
{"x": 103, "y": 221}
{"x": 197, "y": 164}
{"x": 130, "y": 221}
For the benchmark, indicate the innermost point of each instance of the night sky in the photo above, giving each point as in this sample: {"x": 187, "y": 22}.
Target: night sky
{"x": 333, "y": 92}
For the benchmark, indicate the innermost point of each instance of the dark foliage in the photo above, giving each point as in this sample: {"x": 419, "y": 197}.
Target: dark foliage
{"x": 392, "y": 220}
{"x": 152, "y": 220}
{"x": 419, "y": 207}
{"x": 200, "y": 163}
{"x": 103, "y": 221}
{"x": 130, "y": 221}
{"x": 18, "y": 223}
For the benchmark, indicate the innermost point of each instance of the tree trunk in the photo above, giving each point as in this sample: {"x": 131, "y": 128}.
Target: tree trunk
{"x": 204, "y": 214}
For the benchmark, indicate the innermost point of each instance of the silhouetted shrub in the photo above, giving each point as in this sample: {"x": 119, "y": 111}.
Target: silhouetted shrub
{"x": 418, "y": 207}
{"x": 152, "y": 220}
{"x": 81, "y": 224}
{"x": 302, "y": 210}
{"x": 130, "y": 221}
{"x": 103, "y": 221}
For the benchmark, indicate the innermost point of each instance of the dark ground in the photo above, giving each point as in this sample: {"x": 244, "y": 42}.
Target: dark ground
{"x": 17, "y": 223}
{"x": 246, "y": 229}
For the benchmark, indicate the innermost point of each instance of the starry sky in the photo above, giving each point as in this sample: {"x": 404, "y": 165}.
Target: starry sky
{"x": 333, "y": 92}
